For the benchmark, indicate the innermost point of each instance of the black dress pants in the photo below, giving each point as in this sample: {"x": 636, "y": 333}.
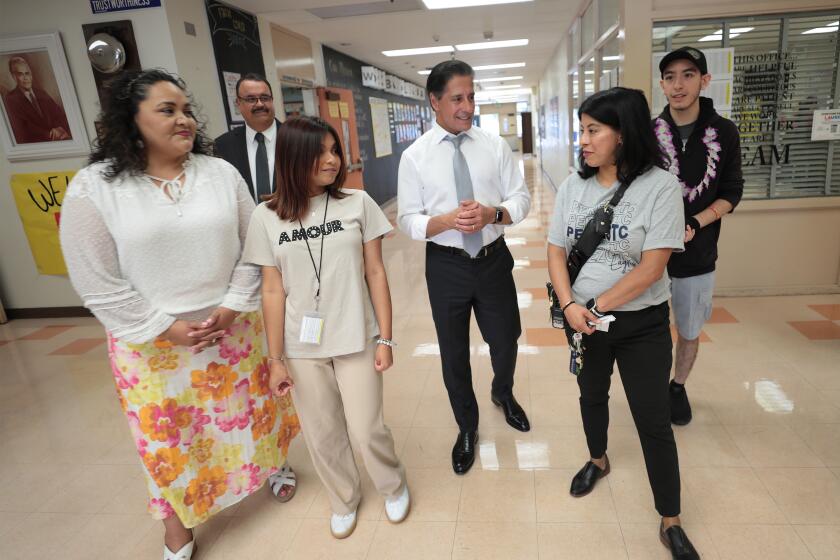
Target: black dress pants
{"x": 640, "y": 342}
{"x": 457, "y": 286}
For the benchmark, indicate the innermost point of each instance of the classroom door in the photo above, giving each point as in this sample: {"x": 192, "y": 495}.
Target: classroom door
{"x": 527, "y": 133}
{"x": 337, "y": 108}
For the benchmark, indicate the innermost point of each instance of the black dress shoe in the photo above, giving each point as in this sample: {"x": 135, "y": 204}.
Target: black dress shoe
{"x": 680, "y": 408}
{"x": 514, "y": 414}
{"x": 675, "y": 540}
{"x": 584, "y": 481}
{"x": 463, "y": 453}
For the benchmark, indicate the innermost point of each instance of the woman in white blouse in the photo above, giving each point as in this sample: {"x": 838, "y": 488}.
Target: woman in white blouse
{"x": 152, "y": 232}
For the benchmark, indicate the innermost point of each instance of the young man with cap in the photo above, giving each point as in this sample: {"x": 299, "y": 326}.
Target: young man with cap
{"x": 250, "y": 148}
{"x": 458, "y": 187}
{"x": 705, "y": 154}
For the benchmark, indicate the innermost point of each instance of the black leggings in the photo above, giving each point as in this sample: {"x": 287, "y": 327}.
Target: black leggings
{"x": 640, "y": 342}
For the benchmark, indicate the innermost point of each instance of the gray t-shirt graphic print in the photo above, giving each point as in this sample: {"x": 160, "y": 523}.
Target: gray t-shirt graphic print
{"x": 649, "y": 216}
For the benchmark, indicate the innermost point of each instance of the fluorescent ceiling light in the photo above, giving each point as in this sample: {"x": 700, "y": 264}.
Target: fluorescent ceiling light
{"x": 499, "y": 66}
{"x": 830, "y": 28}
{"x": 512, "y": 86}
{"x": 733, "y": 32}
{"x": 612, "y": 57}
{"x": 422, "y": 50}
{"x": 492, "y": 45}
{"x": 443, "y": 4}
{"x": 661, "y": 33}
{"x": 487, "y": 67}
{"x": 503, "y": 79}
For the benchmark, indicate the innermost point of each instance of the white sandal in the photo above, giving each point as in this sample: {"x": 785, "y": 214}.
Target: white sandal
{"x": 185, "y": 552}
{"x": 284, "y": 477}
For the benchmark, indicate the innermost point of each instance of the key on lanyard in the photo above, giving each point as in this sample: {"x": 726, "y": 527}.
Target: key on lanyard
{"x": 576, "y": 357}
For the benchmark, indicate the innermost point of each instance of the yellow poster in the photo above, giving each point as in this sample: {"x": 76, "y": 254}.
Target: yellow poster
{"x": 333, "y": 108}
{"x": 344, "y": 108}
{"x": 38, "y": 198}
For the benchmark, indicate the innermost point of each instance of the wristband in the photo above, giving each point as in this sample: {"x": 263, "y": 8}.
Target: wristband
{"x": 693, "y": 222}
{"x": 386, "y": 341}
{"x": 280, "y": 359}
{"x": 715, "y": 212}
{"x": 563, "y": 308}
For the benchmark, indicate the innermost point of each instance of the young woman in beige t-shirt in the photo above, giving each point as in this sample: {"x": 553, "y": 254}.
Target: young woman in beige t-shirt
{"x": 327, "y": 311}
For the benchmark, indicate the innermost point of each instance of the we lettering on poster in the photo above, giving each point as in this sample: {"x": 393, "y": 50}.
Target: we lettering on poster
{"x": 38, "y": 199}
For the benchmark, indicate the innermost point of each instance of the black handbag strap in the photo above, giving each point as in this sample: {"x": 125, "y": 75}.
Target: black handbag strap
{"x": 589, "y": 240}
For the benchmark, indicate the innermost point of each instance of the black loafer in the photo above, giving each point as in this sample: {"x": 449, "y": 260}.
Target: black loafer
{"x": 514, "y": 414}
{"x": 680, "y": 408}
{"x": 584, "y": 481}
{"x": 463, "y": 453}
{"x": 675, "y": 540}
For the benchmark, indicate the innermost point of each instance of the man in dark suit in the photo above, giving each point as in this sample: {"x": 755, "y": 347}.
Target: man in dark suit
{"x": 33, "y": 114}
{"x": 250, "y": 148}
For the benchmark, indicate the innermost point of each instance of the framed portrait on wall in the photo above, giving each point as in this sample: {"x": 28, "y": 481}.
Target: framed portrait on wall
{"x": 40, "y": 112}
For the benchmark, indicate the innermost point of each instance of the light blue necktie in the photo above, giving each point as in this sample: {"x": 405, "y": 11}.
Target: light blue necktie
{"x": 463, "y": 185}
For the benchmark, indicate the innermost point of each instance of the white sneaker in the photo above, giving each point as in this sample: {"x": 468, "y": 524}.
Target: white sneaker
{"x": 185, "y": 553}
{"x": 397, "y": 508}
{"x": 342, "y": 526}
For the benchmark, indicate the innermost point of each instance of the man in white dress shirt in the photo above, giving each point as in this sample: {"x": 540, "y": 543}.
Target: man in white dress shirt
{"x": 250, "y": 148}
{"x": 458, "y": 187}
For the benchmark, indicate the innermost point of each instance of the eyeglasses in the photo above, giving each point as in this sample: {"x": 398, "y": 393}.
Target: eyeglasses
{"x": 252, "y": 100}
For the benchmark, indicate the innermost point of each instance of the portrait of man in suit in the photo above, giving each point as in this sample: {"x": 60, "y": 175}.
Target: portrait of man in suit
{"x": 250, "y": 148}
{"x": 34, "y": 115}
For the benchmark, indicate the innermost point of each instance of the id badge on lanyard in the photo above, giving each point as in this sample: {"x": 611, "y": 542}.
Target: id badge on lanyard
{"x": 311, "y": 327}
{"x": 312, "y": 322}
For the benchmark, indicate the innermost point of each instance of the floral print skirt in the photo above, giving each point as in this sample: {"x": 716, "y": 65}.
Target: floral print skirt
{"x": 206, "y": 427}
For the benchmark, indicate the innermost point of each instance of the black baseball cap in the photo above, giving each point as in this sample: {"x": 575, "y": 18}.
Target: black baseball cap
{"x": 690, "y": 54}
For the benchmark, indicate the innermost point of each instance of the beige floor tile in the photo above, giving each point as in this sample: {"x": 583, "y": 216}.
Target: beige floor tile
{"x": 435, "y": 494}
{"x": 565, "y": 445}
{"x": 731, "y": 495}
{"x": 806, "y": 496}
{"x": 28, "y": 487}
{"x": 642, "y": 540}
{"x": 89, "y": 488}
{"x": 434, "y": 411}
{"x": 633, "y": 497}
{"x": 413, "y": 540}
{"x": 504, "y": 540}
{"x": 824, "y": 439}
{"x": 571, "y": 541}
{"x": 707, "y": 446}
{"x": 495, "y": 496}
{"x": 758, "y": 542}
{"x": 556, "y": 505}
{"x": 314, "y": 541}
{"x": 773, "y": 446}
{"x": 822, "y": 540}
{"x": 29, "y": 539}
{"x": 253, "y": 537}
{"x": 114, "y": 536}
{"x": 429, "y": 448}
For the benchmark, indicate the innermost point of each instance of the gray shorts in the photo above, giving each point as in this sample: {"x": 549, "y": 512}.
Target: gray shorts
{"x": 691, "y": 300}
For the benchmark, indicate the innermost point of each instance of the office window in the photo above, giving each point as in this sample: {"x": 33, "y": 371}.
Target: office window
{"x": 785, "y": 68}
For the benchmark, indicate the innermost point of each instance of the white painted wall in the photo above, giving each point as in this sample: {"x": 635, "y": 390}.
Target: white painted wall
{"x": 554, "y": 83}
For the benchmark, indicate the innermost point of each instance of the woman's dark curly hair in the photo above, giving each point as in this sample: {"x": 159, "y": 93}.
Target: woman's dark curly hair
{"x": 119, "y": 142}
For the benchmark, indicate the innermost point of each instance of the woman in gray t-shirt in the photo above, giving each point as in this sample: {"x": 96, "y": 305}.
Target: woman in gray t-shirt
{"x": 625, "y": 277}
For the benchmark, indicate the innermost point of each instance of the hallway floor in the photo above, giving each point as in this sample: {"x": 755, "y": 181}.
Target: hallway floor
{"x": 760, "y": 461}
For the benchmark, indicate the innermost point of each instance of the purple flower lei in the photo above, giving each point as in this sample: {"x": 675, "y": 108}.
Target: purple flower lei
{"x": 666, "y": 140}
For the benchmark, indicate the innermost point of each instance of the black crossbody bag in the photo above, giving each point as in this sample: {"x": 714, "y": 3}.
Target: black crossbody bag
{"x": 596, "y": 231}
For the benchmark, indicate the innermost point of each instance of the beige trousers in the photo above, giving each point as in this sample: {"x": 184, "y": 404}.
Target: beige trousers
{"x": 334, "y": 396}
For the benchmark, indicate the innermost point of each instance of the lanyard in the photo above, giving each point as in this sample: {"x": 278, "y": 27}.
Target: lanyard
{"x": 320, "y": 266}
